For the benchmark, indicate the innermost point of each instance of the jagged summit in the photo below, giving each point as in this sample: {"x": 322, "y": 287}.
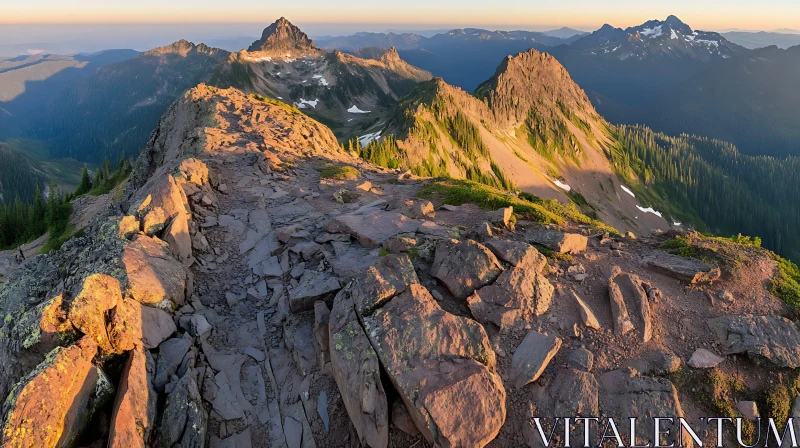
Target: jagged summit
{"x": 282, "y": 38}
{"x": 183, "y": 48}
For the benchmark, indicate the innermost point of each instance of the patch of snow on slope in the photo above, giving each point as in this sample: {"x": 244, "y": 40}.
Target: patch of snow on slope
{"x": 303, "y": 103}
{"x": 366, "y": 139}
{"x": 627, "y": 190}
{"x": 562, "y": 185}
{"x": 649, "y": 210}
{"x": 676, "y": 224}
{"x": 322, "y": 80}
{"x": 651, "y": 32}
{"x": 356, "y": 110}
{"x": 673, "y": 35}
{"x": 710, "y": 43}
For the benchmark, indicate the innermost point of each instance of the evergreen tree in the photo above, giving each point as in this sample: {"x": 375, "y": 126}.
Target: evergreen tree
{"x": 85, "y": 184}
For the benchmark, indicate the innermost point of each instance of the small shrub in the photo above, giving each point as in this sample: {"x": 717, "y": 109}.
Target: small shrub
{"x": 340, "y": 172}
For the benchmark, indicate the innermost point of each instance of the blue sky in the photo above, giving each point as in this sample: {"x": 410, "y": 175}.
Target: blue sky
{"x": 531, "y": 14}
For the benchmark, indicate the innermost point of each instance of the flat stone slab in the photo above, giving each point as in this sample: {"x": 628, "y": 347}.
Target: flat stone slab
{"x": 313, "y": 285}
{"x": 773, "y": 338}
{"x": 685, "y": 269}
{"x": 532, "y": 357}
{"x": 558, "y": 241}
{"x": 623, "y": 394}
{"x": 704, "y": 359}
{"x": 374, "y": 228}
{"x": 575, "y": 393}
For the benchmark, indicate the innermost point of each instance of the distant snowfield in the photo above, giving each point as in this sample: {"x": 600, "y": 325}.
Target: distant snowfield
{"x": 627, "y": 190}
{"x": 562, "y": 185}
{"x": 369, "y": 138}
{"x": 649, "y": 210}
{"x": 302, "y": 104}
{"x": 673, "y": 35}
{"x": 261, "y": 59}
{"x": 676, "y": 224}
{"x": 356, "y": 110}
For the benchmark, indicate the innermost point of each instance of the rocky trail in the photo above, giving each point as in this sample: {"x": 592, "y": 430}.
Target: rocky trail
{"x": 249, "y": 290}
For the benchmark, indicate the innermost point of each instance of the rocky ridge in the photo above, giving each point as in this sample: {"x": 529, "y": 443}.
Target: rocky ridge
{"x": 236, "y": 296}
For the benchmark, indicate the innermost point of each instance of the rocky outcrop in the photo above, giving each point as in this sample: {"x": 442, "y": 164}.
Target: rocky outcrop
{"x": 704, "y": 359}
{"x": 54, "y": 403}
{"x": 685, "y": 269}
{"x": 773, "y": 338}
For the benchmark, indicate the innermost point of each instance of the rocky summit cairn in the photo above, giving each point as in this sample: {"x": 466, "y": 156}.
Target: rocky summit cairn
{"x": 284, "y": 39}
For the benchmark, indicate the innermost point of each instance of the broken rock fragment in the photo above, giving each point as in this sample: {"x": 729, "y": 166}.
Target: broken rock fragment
{"x": 465, "y": 266}
{"x": 532, "y": 357}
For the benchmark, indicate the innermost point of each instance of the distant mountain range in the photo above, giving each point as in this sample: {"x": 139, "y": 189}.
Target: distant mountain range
{"x": 761, "y": 39}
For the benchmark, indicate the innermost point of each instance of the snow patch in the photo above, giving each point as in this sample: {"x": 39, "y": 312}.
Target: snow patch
{"x": 676, "y": 224}
{"x": 710, "y": 43}
{"x": 302, "y": 104}
{"x": 366, "y": 139}
{"x": 261, "y": 59}
{"x": 627, "y": 190}
{"x": 673, "y": 35}
{"x": 651, "y": 32}
{"x": 356, "y": 110}
{"x": 322, "y": 80}
{"x": 649, "y": 210}
{"x": 562, "y": 185}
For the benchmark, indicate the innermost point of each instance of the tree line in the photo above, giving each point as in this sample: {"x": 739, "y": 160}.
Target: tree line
{"x": 49, "y": 211}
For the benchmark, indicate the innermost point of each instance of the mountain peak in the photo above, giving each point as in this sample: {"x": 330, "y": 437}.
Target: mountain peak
{"x": 531, "y": 79}
{"x": 678, "y": 25}
{"x": 283, "y": 38}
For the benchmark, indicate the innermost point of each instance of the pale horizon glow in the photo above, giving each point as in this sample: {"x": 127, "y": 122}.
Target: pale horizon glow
{"x": 412, "y": 14}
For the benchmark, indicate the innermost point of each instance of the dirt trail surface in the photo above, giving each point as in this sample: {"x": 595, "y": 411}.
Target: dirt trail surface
{"x": 265, "y": 288}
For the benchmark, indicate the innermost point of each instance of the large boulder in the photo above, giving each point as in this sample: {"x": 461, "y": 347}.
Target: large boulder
{"x": 53, "y": 404}
{"x": 556, "y": 241}
{"x": 439, "y": 363}
{"x": 134, "y": 414}
{"x": 356, "y": 369}
{"x": 154, "y": 276}
{"x": 465, "y": 266}
{"x": 372, "y": 229}
{"x": 160, "y": 191}
{"x": 98, "y": 295}
{"x": 629, "y": 296}
{"x": 685, "y": 269}
{"x": 773, "y": 338}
